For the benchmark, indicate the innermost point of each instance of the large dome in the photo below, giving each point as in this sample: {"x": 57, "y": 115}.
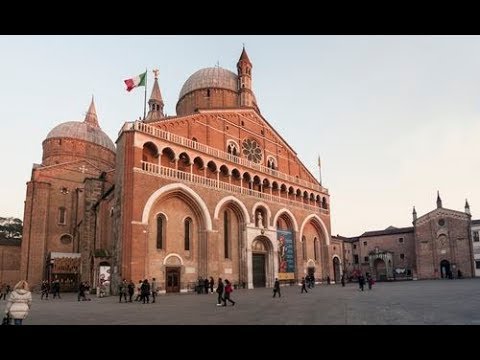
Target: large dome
{"x": 82, "y": 131}
{"x": 214, "y": 77}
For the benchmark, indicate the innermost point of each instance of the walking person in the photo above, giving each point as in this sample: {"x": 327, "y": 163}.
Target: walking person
{"x": 131, "y": 290}
{"x": 276, "y": 288}
{"x": 145, "y": 291}
{"x": 361, "y": 282}
{"x": 343, "y": 280}
{"x": 122, "y": 290}
{"x": 303, "y": 286}
{"x": 56, "y": 288}
{"x": 153, "y": 287}
{"x": 228, "y": 291}
{"x": 220, "y": 292}
{"x": 206, "y": 285}
{"x": 19, "y": 303}
{"x": 3, "y": 291}
{"x": 211, "y": 284}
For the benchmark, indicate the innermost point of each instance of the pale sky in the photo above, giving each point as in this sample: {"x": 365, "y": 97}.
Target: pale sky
{"x": 394, "y": 118}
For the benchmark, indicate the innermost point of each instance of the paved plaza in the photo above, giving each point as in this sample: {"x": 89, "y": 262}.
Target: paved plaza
{"x": 412, "y": 302}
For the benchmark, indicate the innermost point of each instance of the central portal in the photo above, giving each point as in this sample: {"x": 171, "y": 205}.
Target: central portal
{"x": 259, "y": 276}
{"x": 173, "y": 279}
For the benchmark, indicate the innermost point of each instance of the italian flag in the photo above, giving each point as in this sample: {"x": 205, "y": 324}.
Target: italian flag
{"x": 136, "y": 81}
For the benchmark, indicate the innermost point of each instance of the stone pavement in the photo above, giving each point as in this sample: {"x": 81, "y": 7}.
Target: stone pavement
{"x": 408, "y": 302}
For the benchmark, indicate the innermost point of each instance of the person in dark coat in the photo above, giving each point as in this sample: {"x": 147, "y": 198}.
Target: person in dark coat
{"x": 211, "y": 283}
{"x": 220, "y": 292}
{"x": 145, "y": 290}
{"x": 206, "y": 285}
{"x": 342, "y": 280}
{"x": 276, "y": 288}
{"x": 303, "y": 286}
{"x": 361, "y": 282}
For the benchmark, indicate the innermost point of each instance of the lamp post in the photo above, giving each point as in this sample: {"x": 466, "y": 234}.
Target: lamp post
{"x": 145, "y": 231}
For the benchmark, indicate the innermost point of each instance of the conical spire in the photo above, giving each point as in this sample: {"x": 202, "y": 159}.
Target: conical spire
{"x": 439, "y": 200}
{"x": 467, "y": 207}
{"x": 244, "y": 56}
{"x": 414, "y": 214}
{"x": 155, "y": 104}
{"x": 91, "y": 116}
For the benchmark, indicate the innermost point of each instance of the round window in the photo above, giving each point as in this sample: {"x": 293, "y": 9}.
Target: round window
{"x": 441, "y": 222}
{"x": 66, "y": 239}
{"x": 251, "y": 150}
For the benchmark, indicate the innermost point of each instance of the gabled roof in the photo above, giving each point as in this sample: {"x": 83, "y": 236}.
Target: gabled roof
{"x": 388, "y": 231}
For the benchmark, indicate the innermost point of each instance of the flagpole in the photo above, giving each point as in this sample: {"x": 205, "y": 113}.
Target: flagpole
{"x": 145, "y": 99}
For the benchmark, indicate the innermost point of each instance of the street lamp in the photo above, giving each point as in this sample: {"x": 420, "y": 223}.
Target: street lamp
{"x": 145, "y": 231}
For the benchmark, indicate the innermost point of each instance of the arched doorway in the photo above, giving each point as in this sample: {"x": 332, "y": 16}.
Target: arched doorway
{"x": 380, "y": 270}
{"x": 336, "y": 269}
{"x": 259, "y": 262}
{"x": 445, "y": 272}
{"x": 104, "y": 278}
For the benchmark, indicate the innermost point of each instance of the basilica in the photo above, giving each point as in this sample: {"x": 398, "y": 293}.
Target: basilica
{"x": 213, "y": 191}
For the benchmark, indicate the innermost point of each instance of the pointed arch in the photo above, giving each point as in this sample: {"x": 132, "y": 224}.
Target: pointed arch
{"x": 234, "y": 200}
{"x": 185, "y": 190}
{"x": 289, "y": 213}
{"x": 317, "y": 219}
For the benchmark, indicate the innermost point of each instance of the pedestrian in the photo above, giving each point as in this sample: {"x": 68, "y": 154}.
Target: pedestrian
{"x": 220, "y": 292}
{"x": 3, "y": 291}
{"x": 342, "y": 280}
{"x": 303, "y": 286}
{"x": 153, "y": 287}
{"x": 56, "y": 288}
{"x": 211, "y": 284}
{"x": 131, "y": 290}
{"x": 45, "y": 289}
{"x": 328, "y": 279}
{"x": 145, "y": 291}
{"x": 19, "y": 303}
{"x": 361, "y": 282}
{"x": 122, "y": 290}
{"x": 276, "y": 288}
{"x": 228, "y": 291}
{"x": 206, "y": 285}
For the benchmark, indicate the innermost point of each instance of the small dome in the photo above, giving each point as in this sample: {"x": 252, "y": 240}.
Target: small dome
{"x": 82, "y": 131}
{"x": 214, "y": 77}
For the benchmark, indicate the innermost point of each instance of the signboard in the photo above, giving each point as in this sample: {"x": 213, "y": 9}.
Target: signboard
{"x": 286, "y": 255}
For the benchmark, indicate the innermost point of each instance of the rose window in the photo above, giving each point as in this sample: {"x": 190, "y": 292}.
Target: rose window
{"x": 251, "y": 150}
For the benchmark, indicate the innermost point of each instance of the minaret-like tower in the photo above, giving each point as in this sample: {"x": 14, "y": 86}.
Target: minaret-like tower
{"x": 439, "y": 201}
{"x": 155, "y": 104}
{"x": 244, "y": 68}
{"x": 91, "y": 117}
{"x": 414, "y": 214}
{"x": 467, "y": 207}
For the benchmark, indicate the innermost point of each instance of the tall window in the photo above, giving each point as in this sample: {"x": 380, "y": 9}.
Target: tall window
{"x": 304, "y": 247}
{"x": 355, "y": 259}
{"x": 476, "y": 237}
{"x": 226, "y": 235}
{"x": 187, "y": 235}
{"x": 62, "y": 216}
{"x": 161, "y": 229}
{"x": 315, "y": 248}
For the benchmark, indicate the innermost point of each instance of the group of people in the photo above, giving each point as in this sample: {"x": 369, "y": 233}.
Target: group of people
{"x": 54, "y": 288}
{"x": 205, "y": 286}
{"x": 142, "y": 291}
{"x": 369, "y": 280}
{"x": 224, "y": 292}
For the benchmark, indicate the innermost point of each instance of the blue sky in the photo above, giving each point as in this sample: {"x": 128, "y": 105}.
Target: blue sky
{"x": 394, "y": 118}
